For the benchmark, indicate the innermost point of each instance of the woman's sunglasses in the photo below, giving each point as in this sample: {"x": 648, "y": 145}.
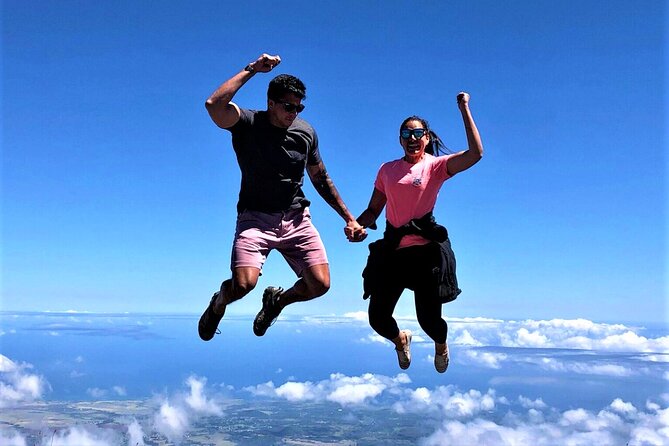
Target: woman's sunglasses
{"x": 290, "y": 108}
{"x": 417, "y": 133}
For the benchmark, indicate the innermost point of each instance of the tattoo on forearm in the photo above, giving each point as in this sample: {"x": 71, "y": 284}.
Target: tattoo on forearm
{"x": 326, "y": 189}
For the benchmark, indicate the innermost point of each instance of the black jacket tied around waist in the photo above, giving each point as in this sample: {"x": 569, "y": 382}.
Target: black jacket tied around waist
{"x": 379, "y": 261}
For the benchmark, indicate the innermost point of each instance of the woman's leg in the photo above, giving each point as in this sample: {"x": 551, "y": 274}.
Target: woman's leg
{"x": 381, "y": 307}
{"x": 428, "y": 313}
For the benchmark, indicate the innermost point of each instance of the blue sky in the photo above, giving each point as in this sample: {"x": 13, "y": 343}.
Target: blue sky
{"x": 118, "y": 193}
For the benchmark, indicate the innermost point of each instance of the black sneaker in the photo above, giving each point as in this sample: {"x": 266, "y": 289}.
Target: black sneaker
{"x": 208, "y": 325}
{"x": 269, "y": 312}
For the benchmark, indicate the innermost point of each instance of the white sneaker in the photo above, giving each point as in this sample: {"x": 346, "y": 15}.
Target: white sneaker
{"x": 441, "y": 361}
{"x": 404, "y": 355}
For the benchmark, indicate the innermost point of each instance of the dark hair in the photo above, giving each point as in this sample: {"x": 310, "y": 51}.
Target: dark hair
{"x": 285, "y": 83}
{"x": 436, "y": 146}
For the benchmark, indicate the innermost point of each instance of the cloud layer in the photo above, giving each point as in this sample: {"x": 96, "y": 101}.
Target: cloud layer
{"x": 578, "y": 334}
{"x": 458, "y": 416}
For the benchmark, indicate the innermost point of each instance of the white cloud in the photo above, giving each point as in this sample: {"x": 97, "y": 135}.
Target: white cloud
{"x": 476, "y": 320}
{"x": 360, "y": 316}
{"x": 174, "y": 418}
{"x": 486, "y": 359}
{"x": 418, "y": 339}
{"x": 339, "y": 388}
{"x": 197, "y": 400}
{"x": 135, "y": 434}
{"x": 16, "y": 385}
{"x": 448, "y": 401}
{"x": 655, "y": 358}
{"x": 531, "y": 404}
{"x": 583, "y": 368}
{"x": 421, "y": 395}
{"x": 7, "y": 365}
{"x": 171, "y": 421}
{"x": 264, "y": 390}
{"x": 294, "y": 391}
{"x": 356, "y": 393}
{"x": 556, "y": 333}
{"x": 622, "y": 407}
{"x": 374, "y": 338}
{"x": 11, "y": 438}
{"x": 96, "y": 392}
{"x": 527, "y": 338}
{"x": 465, "y": 338}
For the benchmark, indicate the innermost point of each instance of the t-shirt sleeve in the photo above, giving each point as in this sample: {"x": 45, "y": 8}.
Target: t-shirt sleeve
{"x": 440, "y": 167}
{"x": 379, "y": 183}
{"x": 245, "y": 121}
{"x": 314, "y": 154}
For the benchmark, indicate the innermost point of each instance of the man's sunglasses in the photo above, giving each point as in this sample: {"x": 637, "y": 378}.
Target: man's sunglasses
{"x": 417, "y": 133}
{"x": 290, "y": 108}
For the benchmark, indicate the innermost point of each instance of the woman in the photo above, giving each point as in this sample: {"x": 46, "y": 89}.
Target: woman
{"x": 415, "y": 252}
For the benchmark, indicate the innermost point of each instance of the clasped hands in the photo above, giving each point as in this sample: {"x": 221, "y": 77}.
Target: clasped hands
{"x": 355, "y": 232}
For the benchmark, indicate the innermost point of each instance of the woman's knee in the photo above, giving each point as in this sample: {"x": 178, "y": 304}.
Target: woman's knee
{"x": 435, "y": 327}
{"x": 381, "y": 320}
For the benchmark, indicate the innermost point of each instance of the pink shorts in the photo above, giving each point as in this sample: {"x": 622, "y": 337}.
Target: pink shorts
{"x": 291, "y": 233}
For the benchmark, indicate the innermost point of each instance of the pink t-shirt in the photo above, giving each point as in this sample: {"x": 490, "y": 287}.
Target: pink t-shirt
{"x": 411, "y": 190}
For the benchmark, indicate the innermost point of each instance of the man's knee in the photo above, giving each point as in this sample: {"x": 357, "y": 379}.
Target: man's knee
{"x": 317, "y": 280}
{"x": 318, "y": 287}
{"x": 242, "y": 287}
{"x": 242, "y": 283}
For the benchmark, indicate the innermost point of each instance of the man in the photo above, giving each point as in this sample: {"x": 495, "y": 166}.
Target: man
{"x": 273, "y": 148}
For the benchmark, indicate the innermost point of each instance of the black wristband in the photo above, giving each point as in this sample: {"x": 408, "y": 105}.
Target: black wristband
{"x": 249, "y": 68}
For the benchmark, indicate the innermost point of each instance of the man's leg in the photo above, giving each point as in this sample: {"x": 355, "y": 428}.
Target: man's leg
{"x": 303, "y": 249}
{"x": 243, "y": 280}
{"x": 315, "y": 282}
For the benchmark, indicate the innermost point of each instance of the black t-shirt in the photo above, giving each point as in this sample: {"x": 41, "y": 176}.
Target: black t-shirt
{"x": 272, "y": 161}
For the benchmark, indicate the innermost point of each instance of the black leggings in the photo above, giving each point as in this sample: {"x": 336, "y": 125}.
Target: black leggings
{"x": 412, "y": 269}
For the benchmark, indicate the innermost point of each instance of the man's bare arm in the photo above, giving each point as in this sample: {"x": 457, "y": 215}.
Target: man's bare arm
{"x": 222, "y": 111}
{"x": 325, "y": 187}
